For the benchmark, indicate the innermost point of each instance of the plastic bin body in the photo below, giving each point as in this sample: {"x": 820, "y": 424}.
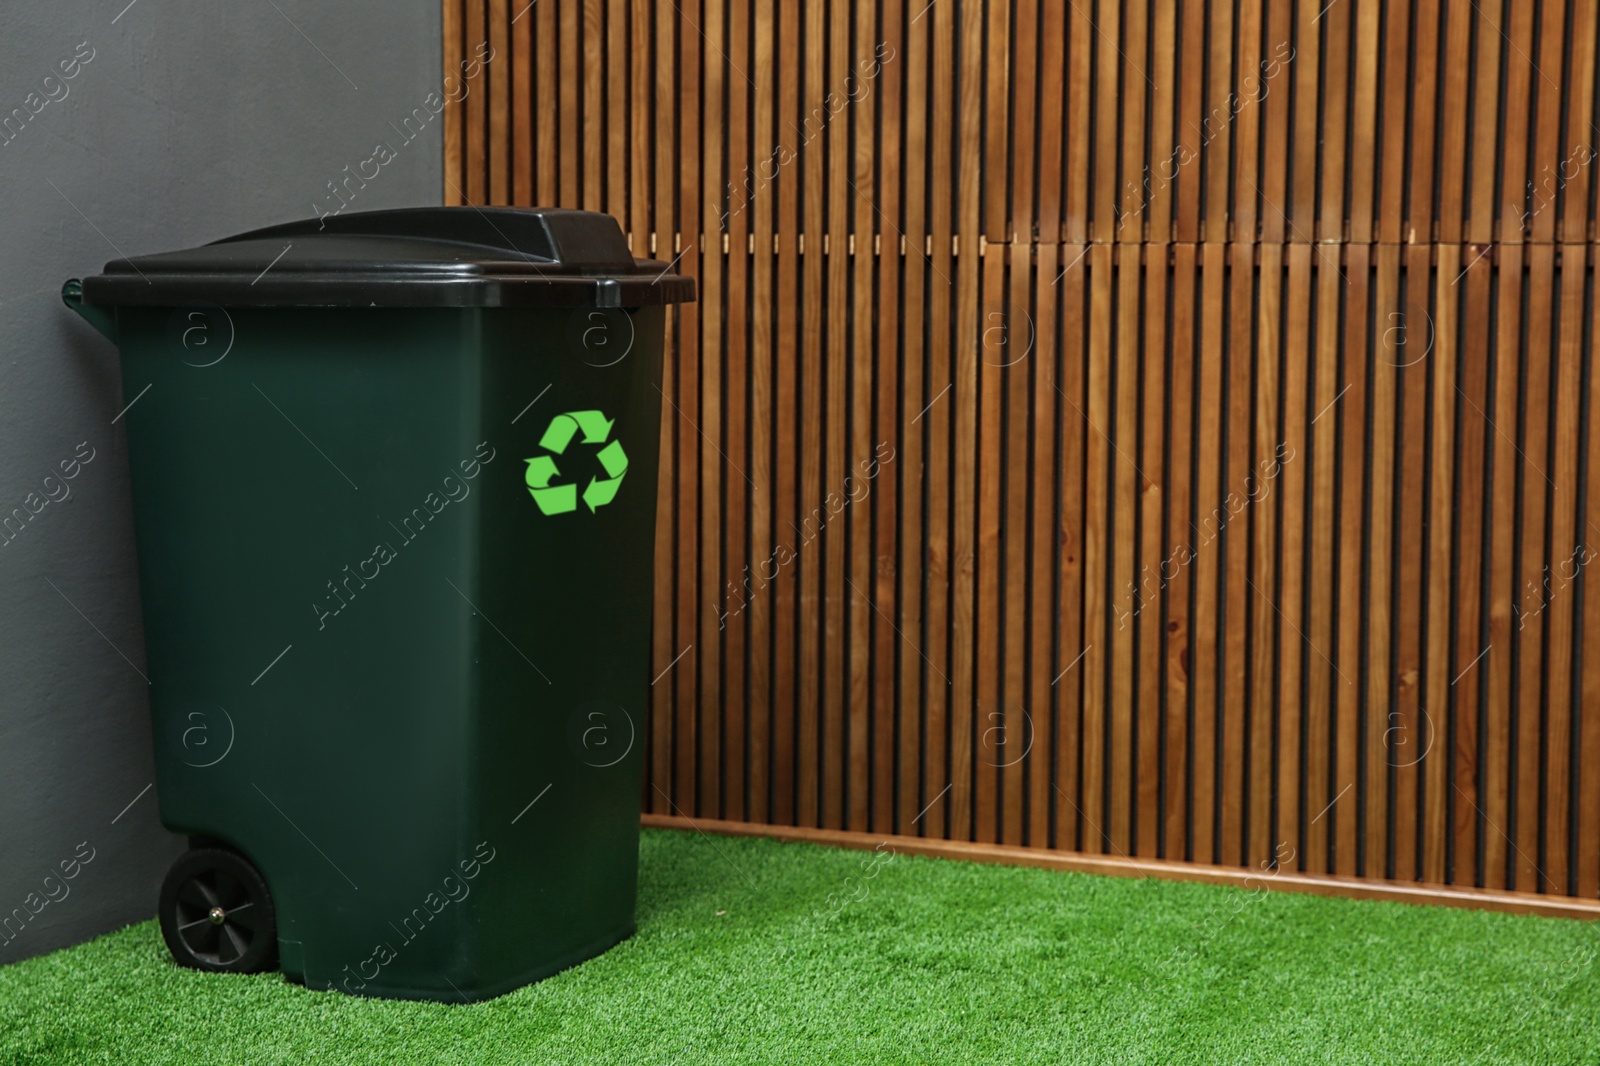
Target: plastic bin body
{"x": 379, "y": 670}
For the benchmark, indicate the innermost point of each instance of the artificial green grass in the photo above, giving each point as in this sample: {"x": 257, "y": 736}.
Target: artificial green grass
{"x": 754, "y": 951}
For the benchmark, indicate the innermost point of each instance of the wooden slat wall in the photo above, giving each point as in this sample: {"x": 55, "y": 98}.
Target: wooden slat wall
{"x": 1151, "y": 430}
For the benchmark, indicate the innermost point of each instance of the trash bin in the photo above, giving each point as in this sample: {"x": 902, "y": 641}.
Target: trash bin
{"x": 394, "y": 484}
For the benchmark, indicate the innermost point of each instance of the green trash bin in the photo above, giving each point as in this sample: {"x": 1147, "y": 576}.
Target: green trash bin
{"x": 394, "y": 484}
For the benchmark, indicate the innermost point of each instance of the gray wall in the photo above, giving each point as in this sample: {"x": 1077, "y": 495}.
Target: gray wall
{"x": 189, "y": 121}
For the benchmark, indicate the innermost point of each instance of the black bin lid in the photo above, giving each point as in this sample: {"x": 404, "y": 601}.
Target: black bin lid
{"x": 415, "y": 257}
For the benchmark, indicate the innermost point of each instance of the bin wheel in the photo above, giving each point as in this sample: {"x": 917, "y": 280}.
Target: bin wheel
{"x": 217, "y": 915}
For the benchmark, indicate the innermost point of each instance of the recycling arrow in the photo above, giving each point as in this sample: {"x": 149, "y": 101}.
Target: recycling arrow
{"x": 552, "y": 499}
{"x": 563, "y": 428}
{"x": 614, "y": 459}
{"x": 541, "y": 469}
{"x": 559, "y": 499}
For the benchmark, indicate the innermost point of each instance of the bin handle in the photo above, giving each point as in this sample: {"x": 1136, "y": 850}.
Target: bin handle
{"x": 99, "y": 318}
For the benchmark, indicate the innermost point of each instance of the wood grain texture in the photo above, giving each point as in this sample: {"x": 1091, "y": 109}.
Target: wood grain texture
{"x": 1505, "y": 618}
{"x": 1071, "y": 647}
{"x": 1587, "y": 788}
{"x": 475, "y": 96}
{"x": 1153, "y": 475}
{"x": 1350, "y": 411}
{"x": 1534, "y": 590}
{"x": 1268, "y": 504}
{"x": 1176, "y": 570}
{"x": 544, "y": 20}
{"x": 1289, "y": 602}
{"x": 1136, "y": 433}
{"x": 1209, "y": 701}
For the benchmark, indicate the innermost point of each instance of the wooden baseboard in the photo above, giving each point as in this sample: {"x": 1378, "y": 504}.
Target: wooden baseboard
{"x": 1234, "y": 876}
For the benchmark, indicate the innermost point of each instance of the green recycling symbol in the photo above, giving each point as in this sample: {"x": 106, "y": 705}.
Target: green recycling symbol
{"x": 559, "y": 499}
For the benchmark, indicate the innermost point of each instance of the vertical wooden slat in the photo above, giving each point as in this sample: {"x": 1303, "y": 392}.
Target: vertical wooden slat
{"x": 1514, "y": 140}
{"x": 765, "y": 745}
{"x": 667, "y": 762}
{"x": 1578, "y": 147}
{"x": 1351, "y": 412}
{"x": 547, "y": 154}
{"x": 1264, "y": 621}
{"x": 740, "y": 753}
{"x": 1191, "y": 130}
{"x": 1132, "y": 101}
{"x": 1132, "y": 106}
{"x": 894, "y": 720}
{"x": 1073, "y": 665}
{"x": 941, "y": 634}
{"x": 1364, "y": 137}
{"x": 569, "y": 84}
{"x": 475, "y": 180}
{"x": 1505, "y": 599}
{"x": 1151, "y": 674}
{"x": 1017, "y": 376}
{"x": 1250, "y": 88}
{"x": 964, "y": 397}
{"x": 1061, "y": 367}
{"x": 1533, "y": 587}
{"x": 1324, "y": 683}
{"x": 1388, "y": 356}
{"x": 1272, "y": 190}
{"x": 1180, "y": 548}
{"x": 681, "y": 236}
{"x": 455, "y": 161}
{"x": 1160, "y": 173}
{"x": 1391, "y": 223}
{"x": 1209, "y": 509}
{"x": 1455, "y": 78}
{"x": 1052, "y": 121}
{"x": 701, "y": 332}
{"x": 1047, "y": 615}
{"x": 1412, "y": 731}
{"x": 1002, "y": 585}
{"x": 788, "y": 729}
{"x": 1566, "y": 553}
{"x": 1468, "y": 671}
{"x": 1289, "y": 602}
{"x": 871, "y": 721}
{"x": 1305, "y": 132}
{"x": 682, "y": 415}
{"x": 1098, "y": 455}
{"x": 614, "y": 111}
{"x": 640, "y": 123}
{"x": 1106, "y": 178}
{"x": 992, "y": 88}
{"x": 922, "y": 780}
{"x": 593, "y": 116}
{"x": 1421, "y": 125}
{"x": 1022, "y": 355}
{"x": 523, "y": 117}
{"x": 1331, "y": 165}
{"x": 1234, "y": 540}
{"x": 1080, "y": 43}
{"x": 1548, "y": 150}
{"x": 1587, "y": 787}
{"x": 495, "y": 80}
{"x": 1484, "y": 144}
{"x": 825, "y": 331}
{"x": 943, "y": 770}
{"x": 1440, "y": 669}
{"x": 1123, "y": 542}
{"x": 1021, "y": 104}
{"x": 1217, "y": 126}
